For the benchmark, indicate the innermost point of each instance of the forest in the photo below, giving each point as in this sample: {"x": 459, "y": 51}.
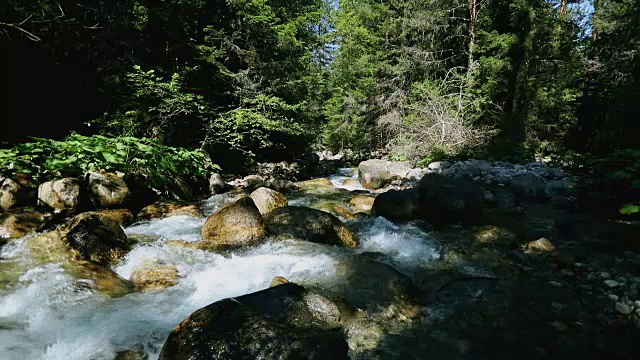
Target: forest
{"x": 319, "y": 179}
{"x": 254, "y": 78}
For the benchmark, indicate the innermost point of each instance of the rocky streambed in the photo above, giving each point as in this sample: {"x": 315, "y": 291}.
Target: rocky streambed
{"x": 510, "y": 270}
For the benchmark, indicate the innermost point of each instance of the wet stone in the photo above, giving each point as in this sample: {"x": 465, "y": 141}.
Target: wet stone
{"x": 611, "y": 283}
{"x": 623, "y": 309}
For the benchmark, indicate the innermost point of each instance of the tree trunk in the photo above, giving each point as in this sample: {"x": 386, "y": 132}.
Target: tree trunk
{"x": 563, "y": 7}
{"x": 473, "y": 19}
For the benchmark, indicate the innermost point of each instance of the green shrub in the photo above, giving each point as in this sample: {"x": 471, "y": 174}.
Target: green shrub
{"x": 162, "y": 165}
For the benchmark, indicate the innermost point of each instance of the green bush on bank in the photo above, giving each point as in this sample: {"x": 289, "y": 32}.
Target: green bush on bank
{"x": 162, "y": 165}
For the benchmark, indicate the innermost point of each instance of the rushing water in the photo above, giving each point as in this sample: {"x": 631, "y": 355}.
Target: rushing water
{"x": 49, "y": 314}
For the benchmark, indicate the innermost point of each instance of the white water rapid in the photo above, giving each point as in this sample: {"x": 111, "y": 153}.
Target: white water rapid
{"x": 49, "y": 314}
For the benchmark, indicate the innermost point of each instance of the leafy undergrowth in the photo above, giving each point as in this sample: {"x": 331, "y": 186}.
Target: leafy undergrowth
{"x": 45, "y": 159}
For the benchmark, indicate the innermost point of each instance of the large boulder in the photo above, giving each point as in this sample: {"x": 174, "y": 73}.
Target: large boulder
{"x": 310, "y": 225}
{"x": 62, "y": 194}
{"x": 236, "y": 224}
{"x": 9, "y": 193}
{"x": 442, "y": 200}
{"x": 375, "y": 174}
{"x": 96, "y": 238}
{"x": 20, "y": 222}
{"x": 527, "y": 185}
{"x": 217, "y": 185}
{"x": 396, "y": 205}
{"x": 267, "y": 200}
{"x": 162, "y": 209}
{"x": 282, "y": 322}
{"x": 107, "y": 191}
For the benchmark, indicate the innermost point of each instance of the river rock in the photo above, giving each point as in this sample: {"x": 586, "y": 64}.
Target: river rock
{"x": 63, "y": 194}
{"x": 375, "y": 174}
{"x": 248, "y": 181}
{"x": 9, "y": 193}
{"x": 217, "y": 185}
{"x": 528, "y": 185}
{"x": 162, "y": 209}
{"x": 623, "y": 309}
{"x": 538, "y": 246}
{"x": 396, "y": 205}
{"x": 372, "y": 285}
{"x": 154, "y": 275}
{"x": 236, "y": 224}
{"x": 336, "y": 208}
{"x": 310, "y": 225}
{"x": 21, "y": 221}
{"x": 491, "y": 234}
{"x": 280, "y": 185}
{"x": 442, "y": 200}
{"x": 282, "y": 322}
{"x": 362, "y": 203}
{"x": 107, "y": 190}
{"x": 351, "y": 182}
{"x": 96, "y": 238}
{"x": 315, "y": 183}
{"x": 438, "y": 165}
{"x": 124, "y": 217}
{"x": 504, "y": 200}
{"x": 267, "y": 200}
{"x": 559, "y": 188}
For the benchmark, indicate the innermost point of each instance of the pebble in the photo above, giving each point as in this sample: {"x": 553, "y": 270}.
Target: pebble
{"x": 605, "y": 275}
{"x": 637, "y": 304}
{"x": 556, "y": 284}
{"x": 591, "y": 277}
{"x": 611, "y": 283}
{"x": 578, "y": 265}
{"x": 613, "y": 297}
{"x": 623, "y": 308}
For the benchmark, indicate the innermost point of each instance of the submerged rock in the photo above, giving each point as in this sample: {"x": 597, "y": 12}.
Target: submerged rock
{"x": 236, "y": 224}
{"x": 107, "y": 190}
{"x": 351, "y": 182}
{"x": 311, "y": 225}
{"x": 162, "y": 209}
{"x": 315, "y": 183}
{"x": 397, "y": 205}
{"x": 63, "y": 194}
{"x": 21, "y": 221}
{"x": 96, "y": 238}
{"x": 282, "y": 322}
{"x": 267, "y": 200}
{"x": 442, "y": 200}
{"x": 375, "y": 174}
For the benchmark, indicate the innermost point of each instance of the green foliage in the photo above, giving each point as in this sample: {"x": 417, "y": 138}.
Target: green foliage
{"x": 157, "y": 108}
{"x": 161, "y": 165}
{"x": 251, "y": 126}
